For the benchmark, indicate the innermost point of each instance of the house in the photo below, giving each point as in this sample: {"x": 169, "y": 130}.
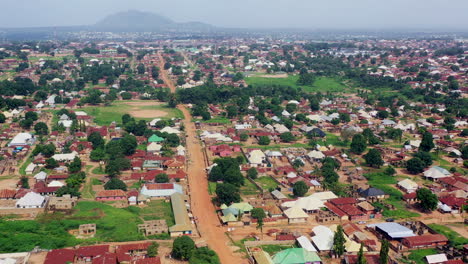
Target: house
{"x": 154, "y": 147}
{"x": 425, "y": 241}
{"x": 66, "y": 202}
{"x": 452, "y": 204}
{"x": 407, "y": 185}
{"x": 22, "y": 139}
{"x": 309, "y": 204}
{"x": 31, "y": 200}
{"x": 323, "y": 238}
{"x": 111, "y": 195}
{"x": 155, "y": 138}
{"x": 392, "y": 230}
{"x": 182, "y": 225}
{"x": 435, "y": 173}
{"x": 60, "y": 256}
{"x": 436, "y": 259}
{"x": 305, "y": 243}
{"x": 372, "y": 194}
{"x": 65, "y": 157}
{"x": 296, "y": 256}
{"x": 262, "y": 257}
{"x": 6, "y": 194}
{"x": 256, "y": 158}
{"x": 161, "y": 189}
{"x": 296, "y": 215}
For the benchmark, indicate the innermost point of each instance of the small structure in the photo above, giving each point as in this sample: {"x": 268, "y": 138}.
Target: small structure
{"x": 153, "y": 227}
{"x": 64, "y": 203}
{"x": 87, "y": 230}
{"x": 182, "y": 225}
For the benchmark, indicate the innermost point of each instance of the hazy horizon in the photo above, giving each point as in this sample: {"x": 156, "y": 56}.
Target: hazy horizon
{"x": 300, "y": 14}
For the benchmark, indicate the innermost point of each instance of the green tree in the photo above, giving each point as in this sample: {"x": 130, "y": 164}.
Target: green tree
{"x": 425, "y": 157}
{"x": 252, "y": 173}
{"x": 259, "y": 214}
{"x": 427, "y": 142}
{"x": 237, "y": 77}
{"x": 115, "y": 184}
{"x": 427, "y": 199}
{"x": 204, "y": 255}
{"x": 96, "y": 139}
{"x": 97, "y": 154}
{"x": 51, "y": 163}
{"x": 383, "y": 256}
{"x": 41, "y": 128}
{"x": 182, "y": 248}
{"x": 2, "y": 118}
{"x": 227, "y": 193}
{"x": 390, "y": 171}
{"x": 128, "y": 144}
{"x": 244, "y": 137}
{"x": 287, "y": 137}
{"x": 361, "y": 258}
{"x": 358, "y": 144}
{"x": 152, "y": 250}
{"x": 24, "y": 181}
{"x": 161, "y": 178}
{"x": 75, "y": 165}
{"x": 31, "y": 115}
{"x": 264, "y": 140}
{"x": 374, "y": 158}
{"x": 300, "y": 188}
{"x": 415, "y": 165}
{"x": 339, "y": 241}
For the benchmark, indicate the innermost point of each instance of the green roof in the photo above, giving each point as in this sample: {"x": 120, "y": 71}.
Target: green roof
{"x": 155, "y": 138}
{"x": 243, "y": 207}
{"x": 295, "y": 256}
{"x": 228, "y": 218}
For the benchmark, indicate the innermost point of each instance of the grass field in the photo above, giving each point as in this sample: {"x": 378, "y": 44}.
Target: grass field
{"x": 266, "y": 182}
{"x": 212, "y": 187}
{"x": 385, "y": 182}
{"x": 156, "y": 210}
{"x": 321, "y": 84}
{"x": 418, "y": 256}
{"x": 104, "y": 115}
{"x": 249, "y": 188}
{"x": 455, "y": 238}
{"x": 98, "y": 170}
{"x": 273, "y": 249}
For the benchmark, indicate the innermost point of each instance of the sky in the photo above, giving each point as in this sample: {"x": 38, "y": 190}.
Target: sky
{"x": 310, "y": 14}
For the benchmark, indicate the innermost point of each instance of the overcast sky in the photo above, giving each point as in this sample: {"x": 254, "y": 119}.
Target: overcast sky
{"x": 314, "y": 14}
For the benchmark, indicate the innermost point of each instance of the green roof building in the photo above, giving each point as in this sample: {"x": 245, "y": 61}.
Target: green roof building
{"x": 155, "y": 138}
{"x": 296, "y": 256}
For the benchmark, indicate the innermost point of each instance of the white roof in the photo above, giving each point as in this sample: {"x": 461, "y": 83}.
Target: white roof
{"x": 154, "y": 121}
{"x": 308, "y": 203}
{"x": 256, "y": 156}
{"x": 21, "y": 139}
{"x": 315, "y": 154}
{"x": 153, "y": 146}
{"x": 408, "y": 184}
{"x": 170, "y": 130}
{"x": 65, "y": 157}
{"x": 81, "y": 113}
{"x": 436, "y": 172}
{"x": 324, "y": 196}
{"x": 55, "y": 184}
{"x": 306, "y": 244}
{"x": 323, "y": 239}
{"x": 295, "y": 212}
{"x": 437, "y": 258}
{"x": 31, "y": 167}
{"x": 40, "y": 176}
{"x": 31, "y": 199}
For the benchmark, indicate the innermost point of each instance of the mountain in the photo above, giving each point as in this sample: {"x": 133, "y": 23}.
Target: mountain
{"x": 138, "y": 21}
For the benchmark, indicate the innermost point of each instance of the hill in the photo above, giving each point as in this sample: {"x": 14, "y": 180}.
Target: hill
{"x": 138, "y": 21}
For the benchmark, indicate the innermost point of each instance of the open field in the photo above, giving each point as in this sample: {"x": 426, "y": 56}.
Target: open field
{"x": 266, "y": 183}
{"x": 321, "y": 84}
{"x": 141, "y": 110}
{"x": 455, "y": 238}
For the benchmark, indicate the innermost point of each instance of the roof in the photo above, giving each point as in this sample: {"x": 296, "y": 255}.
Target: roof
{"x": 437, "y": 258}
{"x": 324, "y": 196}
{"x": 262, "y": 257}
{"x": 394, "y": 230}
{"x": 92, "y": 251}
{"x": 278, "y": 195}
{"x": 371, "y": 192}
{"x": 344, "y": 200}
{"x": 305, "y": 243}
{"x": 295, "y": 212}
{"x": 7, "y": 194}
{"x": 306, "y": 203}
{"x": 427, "y": 239}
{"x": 60, "y": 256}
{"x": 31, "y": 199}
{"x": 295, "y": 256}
{"x": 111, "y": 193}
{"x": 182, "y": 221}
{"x": 407, "y": 184}
{"x": 323, "y": 239}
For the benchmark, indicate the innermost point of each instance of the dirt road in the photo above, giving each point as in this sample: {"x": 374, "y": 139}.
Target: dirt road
{"x": 202, "y": 207}
{"x": 164, "y": 76}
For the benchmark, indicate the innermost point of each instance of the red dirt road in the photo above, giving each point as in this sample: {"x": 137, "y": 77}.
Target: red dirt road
{"x": 202, "y": 207}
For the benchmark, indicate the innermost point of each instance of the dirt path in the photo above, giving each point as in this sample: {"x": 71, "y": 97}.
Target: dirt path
{"x": 202, "y": 207}
{"x": 164, "y": 76}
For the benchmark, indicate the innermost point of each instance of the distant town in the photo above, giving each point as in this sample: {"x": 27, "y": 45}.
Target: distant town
{"x": 233, "y": 149}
